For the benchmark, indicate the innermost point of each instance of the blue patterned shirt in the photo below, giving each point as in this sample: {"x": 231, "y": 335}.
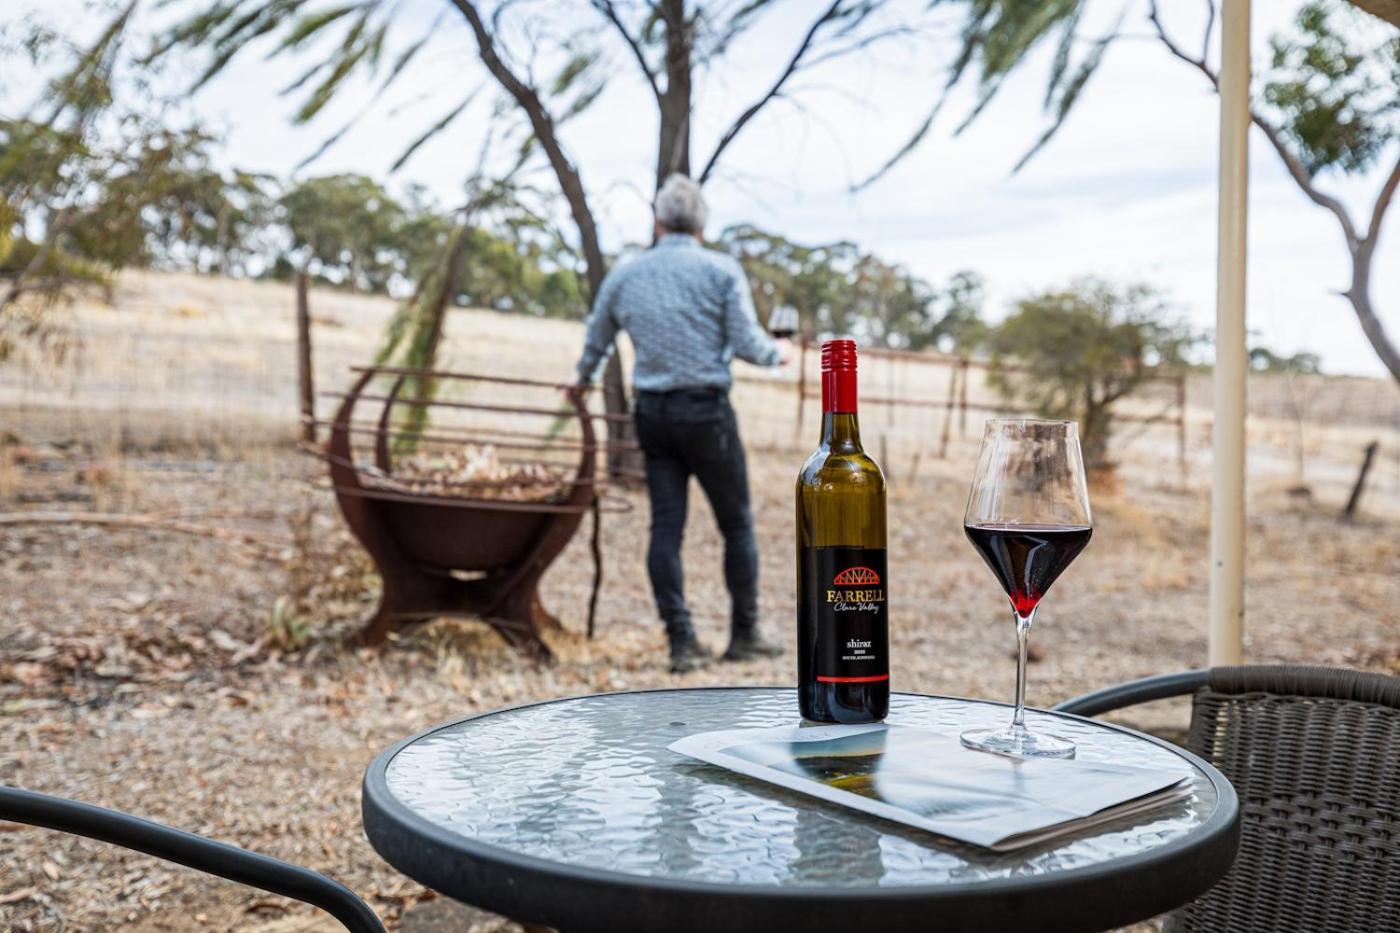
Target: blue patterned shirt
{"x": 688, "y": 311}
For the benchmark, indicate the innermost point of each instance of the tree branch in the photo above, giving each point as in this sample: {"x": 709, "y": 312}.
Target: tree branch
{"x": 607, "y": 8}
{"x": 58, "y": 224}
{"x": 543, "y": 125}
{"x": 1271, "y": 132}
{"x": 1210, "y": 27}
{"x": 1382, "y": 203}
{"x": 864, "y": 42}
{"x": 773, "y": 91}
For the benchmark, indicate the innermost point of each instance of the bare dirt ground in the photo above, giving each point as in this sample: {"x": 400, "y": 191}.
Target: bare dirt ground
{"x": 154, "y": 669}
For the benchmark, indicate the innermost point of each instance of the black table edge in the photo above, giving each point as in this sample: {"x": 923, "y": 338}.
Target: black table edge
{"x": 580, "y": 899}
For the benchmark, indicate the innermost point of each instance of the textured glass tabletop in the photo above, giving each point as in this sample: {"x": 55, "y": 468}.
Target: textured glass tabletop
{"x": 589, "y": 783}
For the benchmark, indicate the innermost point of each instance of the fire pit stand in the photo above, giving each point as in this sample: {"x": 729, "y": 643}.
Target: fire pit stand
{"x": 451, "y": 555}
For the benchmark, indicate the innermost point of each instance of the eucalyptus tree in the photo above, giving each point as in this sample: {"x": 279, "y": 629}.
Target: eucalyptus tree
{"x": 48, "y": 165}
{"x": 343, "y": 229}
{"x": 838, "y": 288}
{"x": 552, "y": 61}
{"x": 90, "y": 185}
{"x": 1081, "y": 350}
{"x": 1329, "y": 102}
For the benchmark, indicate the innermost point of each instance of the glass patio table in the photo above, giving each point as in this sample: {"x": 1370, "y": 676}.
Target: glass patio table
{"x": 573, "y": 814}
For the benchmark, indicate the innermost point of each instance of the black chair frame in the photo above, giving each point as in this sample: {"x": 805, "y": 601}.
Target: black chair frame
{"x": 1133, "y": 692}
{"x": 1314, "y": 755}
{"x": 197, "y": 852}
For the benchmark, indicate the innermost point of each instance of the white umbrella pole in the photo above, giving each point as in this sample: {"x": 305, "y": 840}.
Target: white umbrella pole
{"x": 1231, "y": 362}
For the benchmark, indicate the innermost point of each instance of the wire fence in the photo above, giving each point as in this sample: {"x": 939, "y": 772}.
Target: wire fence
{"x": 184, "y": 360}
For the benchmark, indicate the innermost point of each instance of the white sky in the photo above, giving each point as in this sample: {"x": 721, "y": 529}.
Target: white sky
{"x": 1126, "y": 191}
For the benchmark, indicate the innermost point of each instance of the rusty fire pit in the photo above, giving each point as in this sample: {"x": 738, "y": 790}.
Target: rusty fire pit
{"x": 455, "y": 548}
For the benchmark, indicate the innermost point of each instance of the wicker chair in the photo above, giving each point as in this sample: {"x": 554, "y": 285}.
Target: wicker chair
{"x": 1314, "y": 754}
{"x": 206, "y": 855}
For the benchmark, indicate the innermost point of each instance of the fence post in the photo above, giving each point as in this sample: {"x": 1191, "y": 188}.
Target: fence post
{"x": 307, "y": 387}
{"x": 1354, "y": 500}
{"x": 801, "y": 388}
{"x": 948, "y": 412}
{"x": 965, "y": 367}
{"x": 890, "y": 362}
{"x": 1181, "y": 426}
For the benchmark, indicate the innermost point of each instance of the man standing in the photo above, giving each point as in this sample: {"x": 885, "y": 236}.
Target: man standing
{"x": 689, "y": 312}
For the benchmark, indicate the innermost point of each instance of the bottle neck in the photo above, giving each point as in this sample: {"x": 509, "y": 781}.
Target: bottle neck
{"x": 839, "y": 391}
{"x": 841, "y": 430}
{"x": 840, "y": 426}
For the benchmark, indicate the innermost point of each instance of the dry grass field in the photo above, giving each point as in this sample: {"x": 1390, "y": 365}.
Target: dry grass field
{"x": 194, "y": 671}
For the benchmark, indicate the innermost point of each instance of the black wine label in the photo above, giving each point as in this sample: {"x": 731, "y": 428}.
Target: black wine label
{"x": 845, "y": 592}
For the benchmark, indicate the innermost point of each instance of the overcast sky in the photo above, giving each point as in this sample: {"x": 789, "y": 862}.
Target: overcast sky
{"x": 1126, "y": 191}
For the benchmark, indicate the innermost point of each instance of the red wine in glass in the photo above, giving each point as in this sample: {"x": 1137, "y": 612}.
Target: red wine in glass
{"x": 1027, "y": 558}
{"x": 1028, "y": 516}
{"x": 783, "y": 322}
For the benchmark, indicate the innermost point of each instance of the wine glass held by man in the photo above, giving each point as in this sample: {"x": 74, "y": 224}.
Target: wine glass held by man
{"x": 1028, "y": 516}
{"x": 688, "y": 311}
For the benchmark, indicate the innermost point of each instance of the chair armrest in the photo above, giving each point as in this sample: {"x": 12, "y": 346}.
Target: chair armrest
{"x": 197, "y": 852}
{"x": 1135, "y": 691}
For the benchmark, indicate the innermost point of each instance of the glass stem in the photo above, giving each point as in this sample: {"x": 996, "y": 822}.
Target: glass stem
{"x": 1023, "y": 634}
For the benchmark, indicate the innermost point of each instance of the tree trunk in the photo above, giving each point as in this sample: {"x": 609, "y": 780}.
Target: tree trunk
{"x": 672, "y": 155}
{"x": 1094, "y": 434}
{"x": 620, "y": 433}
{"x": 673, "y": 145}
{"x": 1360, "y": 297}
{"x": 305, "y": 376}
{"x": 41, "y": 256}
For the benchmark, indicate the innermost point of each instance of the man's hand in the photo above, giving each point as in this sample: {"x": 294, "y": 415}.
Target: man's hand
{"x": 785, "y": 350}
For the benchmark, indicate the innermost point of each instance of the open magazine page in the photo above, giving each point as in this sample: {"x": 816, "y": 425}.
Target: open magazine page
{"x": 931, "y": 781}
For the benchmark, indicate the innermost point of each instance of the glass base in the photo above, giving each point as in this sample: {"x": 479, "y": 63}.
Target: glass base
{"x": 1018, "y": 740}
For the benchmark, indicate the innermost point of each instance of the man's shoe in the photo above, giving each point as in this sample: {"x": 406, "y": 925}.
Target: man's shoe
{"x": 689, "y": 655}
{"x": 749, "y": 645}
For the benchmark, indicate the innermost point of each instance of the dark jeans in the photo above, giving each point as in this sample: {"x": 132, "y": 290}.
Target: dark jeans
{"x": 693, "y": 432}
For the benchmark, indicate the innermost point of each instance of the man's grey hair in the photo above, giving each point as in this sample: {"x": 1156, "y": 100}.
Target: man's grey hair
{"x": 680, "y": 207}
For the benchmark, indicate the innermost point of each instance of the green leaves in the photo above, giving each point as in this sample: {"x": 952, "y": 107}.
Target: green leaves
{"x": 308, "y": 25}
{"x": 837, "y": 288}
{"x": 576, "y": 85}
{"x": 1334, "y": 79}
{"x": 227, "y": 28}
{"x": 1335, "y": 85}
{"x": 361, "y": 45}
{"x": 441, "y": 124}
{"x": 1077, "y": 351}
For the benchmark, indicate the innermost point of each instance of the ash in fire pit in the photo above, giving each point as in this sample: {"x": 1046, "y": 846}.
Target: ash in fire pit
{"x": 472, "y": 471}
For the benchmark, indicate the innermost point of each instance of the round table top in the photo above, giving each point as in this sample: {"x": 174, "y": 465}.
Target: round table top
{"x": 573, "y": 813}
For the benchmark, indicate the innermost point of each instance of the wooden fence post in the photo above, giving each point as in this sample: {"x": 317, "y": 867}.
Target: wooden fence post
{"x": 801, "y": 388}
{"x": 1181, "y": 426}
{"x": 1354, "y": 500}
{"x": 965, "y": 368}
{"x": 890, "y": 363}
{"x": 306, "y": 386}
{"x": 948, "y": 413}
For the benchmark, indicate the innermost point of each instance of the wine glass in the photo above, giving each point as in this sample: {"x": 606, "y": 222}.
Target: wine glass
{"x": 782, "y": 322}
{"x": 1028, "y": 516}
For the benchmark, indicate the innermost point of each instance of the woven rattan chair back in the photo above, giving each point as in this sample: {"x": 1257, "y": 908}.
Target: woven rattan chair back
{"x": 1314, "y": 754}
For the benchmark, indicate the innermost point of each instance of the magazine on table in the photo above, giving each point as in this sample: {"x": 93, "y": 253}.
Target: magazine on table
{"x": 929, "y": 780}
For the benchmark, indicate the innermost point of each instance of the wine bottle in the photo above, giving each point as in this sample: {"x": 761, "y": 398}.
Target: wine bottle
{"x": 843, "y": 672}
